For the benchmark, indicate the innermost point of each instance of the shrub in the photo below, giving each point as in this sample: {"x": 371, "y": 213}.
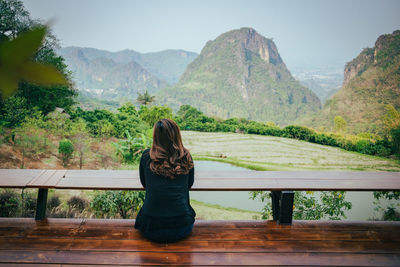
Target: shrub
{"x": 383, "y": 148}
{"x": 53, "y": 202}
{"x": 299, "y": 132}
{"x": 9, "y": 203}
{"x": 392, "y": 202}
{"x": 365, "y": 147}
{"x": 325, "y": 139}
{"x": 223, "y": 127}
{"x": 77, "y": 203}
{"x": 125, "y": 204}
{"x": 131, "y": 148}
{"x": 65, "y": 149}
{"x": 395, "y": 134}
{"x": 391, "y": 214}
{"x": 28, "y": 205}
{"x": 329, "y": 205}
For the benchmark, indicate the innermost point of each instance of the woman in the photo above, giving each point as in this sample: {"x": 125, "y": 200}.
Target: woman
{"x": 167, "y": 173}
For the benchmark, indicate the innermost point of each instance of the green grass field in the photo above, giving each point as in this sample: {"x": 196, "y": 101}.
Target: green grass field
{"x": 205, "y": 211}
{"x": 276, "y": 153}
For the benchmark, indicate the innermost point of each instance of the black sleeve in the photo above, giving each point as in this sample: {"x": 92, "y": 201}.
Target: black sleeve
{"x": 142, "y": 167}
{"x": 191, "y": 177}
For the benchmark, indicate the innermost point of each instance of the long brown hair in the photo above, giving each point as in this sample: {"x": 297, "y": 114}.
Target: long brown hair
{"x": 168, "y": 156}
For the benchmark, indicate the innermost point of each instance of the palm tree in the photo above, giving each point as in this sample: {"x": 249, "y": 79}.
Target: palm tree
{"x": 145, "y": 98}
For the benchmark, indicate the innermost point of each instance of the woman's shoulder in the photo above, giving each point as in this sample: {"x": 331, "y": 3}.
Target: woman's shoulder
{"x": 146, "y": 151}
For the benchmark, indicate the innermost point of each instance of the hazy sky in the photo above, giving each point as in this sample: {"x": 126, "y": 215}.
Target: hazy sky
{"x": 310, "y": 33}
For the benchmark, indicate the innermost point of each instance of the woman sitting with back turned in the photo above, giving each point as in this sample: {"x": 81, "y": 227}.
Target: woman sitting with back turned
{"x": 167, "y": 173}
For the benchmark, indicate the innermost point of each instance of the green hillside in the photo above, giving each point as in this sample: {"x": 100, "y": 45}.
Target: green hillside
{"x": 166, "y": 65}
{"x": 241, "y": 74}
{"x": 371, "y": 81}
{"x": 107, "y": 79}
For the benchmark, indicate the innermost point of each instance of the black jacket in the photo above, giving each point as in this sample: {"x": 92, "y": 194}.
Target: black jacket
{"x": 167, "y": 203}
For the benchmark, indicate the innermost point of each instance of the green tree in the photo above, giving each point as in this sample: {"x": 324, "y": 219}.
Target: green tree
{"x": 391, "y": 119}
{"x": 104, "y": 128}
{"x": 152, "y": 114}
{"x": 14, "y": 19}
{"x": 391, "y": 126}
{"x": 66, "y": 150}
{"x": 58, "y": 123}
{"x": 27, "y": 53}
{"x": 340, "y": 124}
{"x": 14, "y": 111}
{"x": 31, "y": 141}
{"x": 128, "y": 108}
{"x": 145, "y": 98}
{"x": 187, "y": 112}
{"x": 80, "y": 139}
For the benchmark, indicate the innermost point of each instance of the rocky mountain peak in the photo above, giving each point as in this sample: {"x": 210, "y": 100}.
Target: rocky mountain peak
{"x": 241, "y": 74}
{"x": 251, "y": 40}
{"x": 371, "y": 81}
{"x": 386, "y": 47}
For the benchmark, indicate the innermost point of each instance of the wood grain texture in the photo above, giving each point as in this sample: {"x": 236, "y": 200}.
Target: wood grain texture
{"x": 17, "y": 178}
{"x": 95, "y": 242}
{"x": 189, "y": 258}
{"x": 48, "y": 179}
{"x": 215, "y": 180}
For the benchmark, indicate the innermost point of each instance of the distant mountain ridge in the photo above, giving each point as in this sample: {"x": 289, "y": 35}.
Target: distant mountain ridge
{"x": 241, "y": 74}
{"x": 371, "y": 81}
{"x": 112, "y": 75}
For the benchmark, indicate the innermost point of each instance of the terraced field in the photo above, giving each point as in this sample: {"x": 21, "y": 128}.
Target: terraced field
{"x": 277, "y": 153}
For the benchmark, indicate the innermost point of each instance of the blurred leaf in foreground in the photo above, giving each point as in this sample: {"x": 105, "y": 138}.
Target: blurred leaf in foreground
{"x": 16, "y": 63}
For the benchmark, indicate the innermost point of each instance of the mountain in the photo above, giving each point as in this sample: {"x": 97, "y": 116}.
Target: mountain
{"x": 371, "y": 81}
{"x": 106, "y": 78}
{"x": 241, "y": 74}
{"x": 323, "y": 90}
{"x": 167, "y": 65}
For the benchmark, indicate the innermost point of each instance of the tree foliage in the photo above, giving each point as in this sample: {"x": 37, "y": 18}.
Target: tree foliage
{"x": 154, "y": 113}
{"x": 340, "y": 124}
{"x": 131, "y": 148}
{"x": 307, "y": 206}
{"x": 65, "y": 149}
{"x": 125, "y": 204}
{"x": 9, "y": 203}
{"x": 30, "y": 66}
{"x": 30, "y": 139}
{"x": 145, "y": 98}
{"x": 14, "y": 19}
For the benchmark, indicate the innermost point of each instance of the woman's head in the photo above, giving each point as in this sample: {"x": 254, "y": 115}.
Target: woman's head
{"x": 168, "y": 155}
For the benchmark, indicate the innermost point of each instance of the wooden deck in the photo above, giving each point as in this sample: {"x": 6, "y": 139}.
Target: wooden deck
{"x": 91, "y": 242}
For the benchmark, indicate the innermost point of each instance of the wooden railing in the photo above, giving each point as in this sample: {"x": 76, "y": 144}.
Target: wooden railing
{"x": 281, "y": 183}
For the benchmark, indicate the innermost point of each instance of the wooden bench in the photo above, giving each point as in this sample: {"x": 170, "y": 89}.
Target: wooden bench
{"x": 99, "y": 242}
{"x": 94, "y": 242}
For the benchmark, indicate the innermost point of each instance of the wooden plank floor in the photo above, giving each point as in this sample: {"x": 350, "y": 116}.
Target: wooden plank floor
{"x": 89, "y": 242}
